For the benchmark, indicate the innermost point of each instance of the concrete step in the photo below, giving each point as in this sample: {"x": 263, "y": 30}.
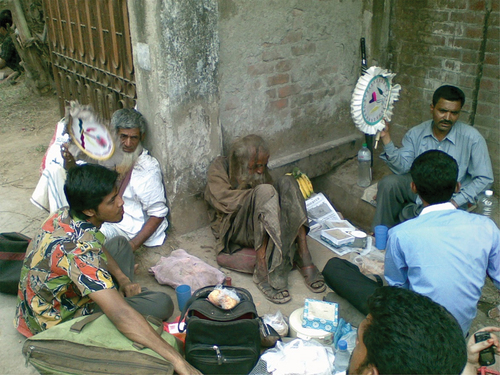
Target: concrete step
{"x": 340, "y": 186}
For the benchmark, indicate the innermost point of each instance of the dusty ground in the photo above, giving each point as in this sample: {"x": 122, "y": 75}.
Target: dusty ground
{"x": 27, "y": 124}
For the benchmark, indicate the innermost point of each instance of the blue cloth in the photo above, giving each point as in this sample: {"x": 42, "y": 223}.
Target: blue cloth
{"x": 445, "y": 255}
{"x": 464, "y": 143}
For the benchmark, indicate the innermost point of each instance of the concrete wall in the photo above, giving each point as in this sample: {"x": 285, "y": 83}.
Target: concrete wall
{"x": 175, "y": 46}
{"x": 287, "y": 71}
{"x": 210, "y": 71}
{"x": 448, "y": 42}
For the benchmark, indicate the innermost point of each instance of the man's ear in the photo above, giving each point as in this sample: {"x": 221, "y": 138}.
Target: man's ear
{"x": 432, "y": 107}
{"x": 459, "y": 186}
{"x": 372, "y": 370}
{"x": 413, "y": 187}
{"x": 89, "y": 212}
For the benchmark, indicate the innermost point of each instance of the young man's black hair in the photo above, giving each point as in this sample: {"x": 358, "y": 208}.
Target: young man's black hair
{"x": 408, "y": 333}
{"x": 87, "y": 185}
{"x": 435, "y": 174}
{"x": 450, "y": 93}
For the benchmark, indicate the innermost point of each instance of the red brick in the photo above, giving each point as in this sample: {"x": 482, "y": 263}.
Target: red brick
{"x": 477, "y": 4}
{"x": 488, "y": 97}
{"x": 308, "y": 48}
{"x": 466, "y": 43}
{"x": 483, "y": 109}
{"x": 491, "y": 71}
{"x": 292, "y": 37}
{"x": 258, "y": 69}
{"x": 495, "y": 6}
{"x": 452, "y": 4}
{"x": 279, "y": 104}
{"x": 446, "y": 28}
{"x": 283, "y": 66}
{"x": 285, "y": 91}
{"x": 301, "y": 100}
{"x": 491, "y": 58}
{"x": 474, "y": 32}
{"x": 466, "y": 81}
{"x": 447, "y": 52}
{"x": 278, "y": 79}
{"x": 435, "y": 40}
{"x": 467, "y": 17}
{"x": 493, "y": 33}
{"x": 492, "y": 46}
{"x": 489, "y": 84}
{"x": 469, "y": 56}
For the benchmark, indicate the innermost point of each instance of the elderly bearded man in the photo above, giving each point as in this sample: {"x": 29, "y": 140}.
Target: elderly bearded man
{"x": 145, "y": 205}
{"x": 248, "y": 211}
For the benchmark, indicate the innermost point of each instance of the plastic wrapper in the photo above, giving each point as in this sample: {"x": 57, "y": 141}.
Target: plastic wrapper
{"x": 278, "y": 322}
{"x": 299, "y": 357}
{"x": 223, "y": 297}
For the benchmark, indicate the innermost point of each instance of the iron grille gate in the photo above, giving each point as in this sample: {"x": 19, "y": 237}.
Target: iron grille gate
{"x": 91, "y": 53}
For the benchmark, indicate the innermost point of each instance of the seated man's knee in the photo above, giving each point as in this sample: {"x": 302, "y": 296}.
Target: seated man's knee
{"x": 389, "y": 183}
{"x": 265, "y": 190}
{"x": 163, "y": 305}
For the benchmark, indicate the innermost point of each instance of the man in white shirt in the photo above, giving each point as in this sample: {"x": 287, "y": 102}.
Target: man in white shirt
{"x": 145, "y": 204}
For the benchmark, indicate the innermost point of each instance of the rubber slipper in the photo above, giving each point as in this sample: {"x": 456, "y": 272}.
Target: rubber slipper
{"x": 272, "y": 294}
{"x": 311, "y": 276}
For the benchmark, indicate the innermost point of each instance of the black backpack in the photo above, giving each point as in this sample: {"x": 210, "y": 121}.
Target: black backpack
{"x": 13, "y": 247}
{"x": 221, "y": 341}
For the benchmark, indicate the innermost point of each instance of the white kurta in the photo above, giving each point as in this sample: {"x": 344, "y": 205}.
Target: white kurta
{"x": 144, "y": 197}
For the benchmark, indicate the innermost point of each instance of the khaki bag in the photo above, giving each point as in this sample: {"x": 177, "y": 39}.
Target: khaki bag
{"x": 93, "y": 345}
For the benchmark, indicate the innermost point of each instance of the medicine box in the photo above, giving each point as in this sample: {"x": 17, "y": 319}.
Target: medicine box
{"x": 336, "y": 237}
{"x": 340, "y": 224}
{"x": 320, "y": 315}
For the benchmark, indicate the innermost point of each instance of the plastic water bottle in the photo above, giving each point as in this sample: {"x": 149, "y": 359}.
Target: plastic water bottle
{"x": 364, "y": 166}
{"x": 342, "y": 357}
{"x": 486, "y": 203}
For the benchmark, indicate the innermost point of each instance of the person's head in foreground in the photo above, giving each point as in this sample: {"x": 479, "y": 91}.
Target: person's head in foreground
{"x": 407, "y": 333}
{"x": 434, "y": 175}
{"x": 92, "y": 194}
{"x": 248, "y": 159}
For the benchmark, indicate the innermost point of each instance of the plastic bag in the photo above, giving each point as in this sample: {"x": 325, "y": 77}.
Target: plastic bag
{"x": 223, "y": 297}
{"x": 299, "y": 357}
{"x": 278, "y": 322}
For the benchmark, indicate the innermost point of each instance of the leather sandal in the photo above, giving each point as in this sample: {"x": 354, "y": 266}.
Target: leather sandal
{"x": 312, "y": 276}
{"x": 274, "y": 295}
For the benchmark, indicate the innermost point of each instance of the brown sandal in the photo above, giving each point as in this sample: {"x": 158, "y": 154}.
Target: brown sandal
{"x": 312, "y": 276}
{"x": 274, "y": 295}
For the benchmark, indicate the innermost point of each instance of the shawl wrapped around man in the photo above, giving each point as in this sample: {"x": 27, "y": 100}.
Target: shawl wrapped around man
{"x": 240, "y": 218}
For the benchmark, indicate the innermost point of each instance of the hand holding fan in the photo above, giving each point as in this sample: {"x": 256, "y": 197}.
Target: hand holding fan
{"x": 88, "y": 132}
{"x": 373, "y": 100}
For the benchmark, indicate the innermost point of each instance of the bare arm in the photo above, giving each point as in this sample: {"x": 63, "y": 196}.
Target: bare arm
{"x": 127, "y": 287}
{"x": 147, "y": 230}
{"x": 136, "y": 328}
{"x": 474, "y": 348}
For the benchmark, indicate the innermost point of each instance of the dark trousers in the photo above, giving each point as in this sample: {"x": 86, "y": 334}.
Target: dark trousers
{"x": 157, "y": 304}
{"x": 345, "y": 279}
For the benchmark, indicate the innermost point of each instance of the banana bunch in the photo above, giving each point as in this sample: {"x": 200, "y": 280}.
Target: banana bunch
{"x": 305, "y": 184}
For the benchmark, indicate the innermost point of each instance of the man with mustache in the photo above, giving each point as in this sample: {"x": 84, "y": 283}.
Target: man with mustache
{"x": 395, "y": 200}
{"x": 247, "y": 211}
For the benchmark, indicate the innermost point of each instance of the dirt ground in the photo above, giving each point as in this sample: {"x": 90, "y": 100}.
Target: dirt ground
{"x": 27, "y": 123}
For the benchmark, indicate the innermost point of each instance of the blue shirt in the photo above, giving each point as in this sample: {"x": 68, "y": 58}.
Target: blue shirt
{"x": 464, "y": 143}
{"x": 445, "y": 255}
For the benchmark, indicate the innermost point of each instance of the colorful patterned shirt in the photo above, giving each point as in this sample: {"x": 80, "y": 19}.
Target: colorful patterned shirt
{"x": 64, "y": 264}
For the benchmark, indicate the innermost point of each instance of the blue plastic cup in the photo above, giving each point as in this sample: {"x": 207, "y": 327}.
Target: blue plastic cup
{"x": 381, "y": 236}
{"x": 183, "y": 293}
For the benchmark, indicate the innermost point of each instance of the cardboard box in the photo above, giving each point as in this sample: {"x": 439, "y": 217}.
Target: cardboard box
{"x": 320, "y": 315}
{"x": 336, "y": 237}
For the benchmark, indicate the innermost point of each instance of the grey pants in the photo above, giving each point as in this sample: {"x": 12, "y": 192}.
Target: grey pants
{"x": 157, "y": 304}
{"x": 395, "y": 201}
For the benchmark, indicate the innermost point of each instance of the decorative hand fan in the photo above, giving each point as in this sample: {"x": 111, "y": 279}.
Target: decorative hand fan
{"x": 88, "y": 132}
{"x": 373, "y": 100}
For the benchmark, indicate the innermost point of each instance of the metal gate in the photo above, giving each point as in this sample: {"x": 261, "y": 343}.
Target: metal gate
{"x": 91, "y": 53}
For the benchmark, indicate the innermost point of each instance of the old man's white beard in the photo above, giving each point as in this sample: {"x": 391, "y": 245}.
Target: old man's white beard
{"x": 128, "y": 160}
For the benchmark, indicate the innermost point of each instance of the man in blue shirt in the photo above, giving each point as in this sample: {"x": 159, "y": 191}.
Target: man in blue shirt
{"x": 444, "y": 253}
{"x": 395, "y": 200}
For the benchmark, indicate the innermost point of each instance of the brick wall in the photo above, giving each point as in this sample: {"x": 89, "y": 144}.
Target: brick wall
{"x": 453, "y": 42}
